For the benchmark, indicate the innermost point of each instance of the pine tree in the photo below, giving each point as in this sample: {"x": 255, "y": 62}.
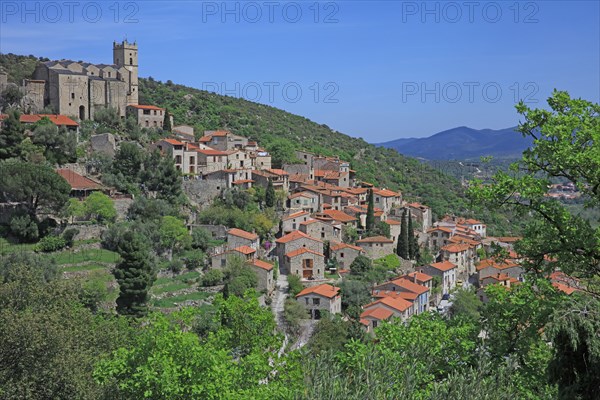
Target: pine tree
{"x": 270, "y": 195}
{"x": 11, "y": 136}
{"x": 135, "y": 275}
{"x": 370, "y": 222}
{"x": 167, "y": 124}
{"x": 403, "y": 242}
{"x": 161, "y": 175}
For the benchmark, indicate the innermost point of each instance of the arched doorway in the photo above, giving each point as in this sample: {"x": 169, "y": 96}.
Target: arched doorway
{"x": 82, "y": 112}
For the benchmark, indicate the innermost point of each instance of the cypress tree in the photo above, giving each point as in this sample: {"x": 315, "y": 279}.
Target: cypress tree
{"x": 370, "y": 222}
{"x": 270, "y": 195}
{"x": 135, "y": 275}
{"x": 403, "y": 242}
{"x": 413, "y": 245}
{"x": 11, "y": 136}
{"x": 167, "y": 124}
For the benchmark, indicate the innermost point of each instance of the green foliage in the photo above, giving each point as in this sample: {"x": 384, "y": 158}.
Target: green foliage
{"x": 413, "y": 244}
{"x": 238, "y": 277}
{"x": 212, "y": 277}
{"x": 128, "y": 161}
{"x": 403, "y": 249}
{"x": 295, "y": 284}
{"x": 466, "y": 305}
{"x": 270, "y": 195}
{"x": 355, "y": 294}
{"x": 36, "y": 186}
{"x": 44, "y": 268}
{"x": 330, "y": 334}
{"x": 69, "y": 235}
{"x": 144, "y": 209}
{"x": 11, "y": 136}
{"x": 51, "y": 243}
{"x": 174, "y": 235}
{"x": 107, "y": 117}
{"x": 201, "y": 238}
{"x": 25, "y": 228}
{"x": 380, "y": 229}
{"x": 293, "y": 314}
{"x": 58, "y": 143}
{"x": 361, "y": 265}
{"x": 100, "y": 207}
{"x": 135, "y": 275}
{"x": 161, "y": 176}
{"x": 194, "y": 259}
{"x": 167, "y": 124}
{"x": 370, "y": 221}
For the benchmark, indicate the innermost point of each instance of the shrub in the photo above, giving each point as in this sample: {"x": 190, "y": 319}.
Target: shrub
{"x": 176, "y": 266}
{"x": 194, "y": 259}
{"x": 24, "y": 228}
{"x": 212, "y": 277}
{"x": 51, "y": 243}
{"x": 295, "y": 284}
{"x": 69, "y": 235}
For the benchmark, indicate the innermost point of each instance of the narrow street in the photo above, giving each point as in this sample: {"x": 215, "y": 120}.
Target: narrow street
{"x": 281, "y": 293}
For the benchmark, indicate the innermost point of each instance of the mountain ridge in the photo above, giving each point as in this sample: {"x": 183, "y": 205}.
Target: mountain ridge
{"x": 463, "y": 143}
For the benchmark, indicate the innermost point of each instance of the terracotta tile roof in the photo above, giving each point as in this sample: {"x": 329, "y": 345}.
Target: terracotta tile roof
{"x": 456, "y": 248}
{"x": 262, "y": 264}
{"x": 408, "y": 285}
{"x": 339, "y": 215}
{"x": 76, "y": 181}
{"x": 441, "y": 228}
{"x": 212, "y": 152}
{"x": 417, "y": 205}
{"x": 375, "y": 239}
{"x": 242, "y": 233}
{"x": 310, "y": 221}
{"x": 279, "y": 172}
{"x": 385, "y": 193}
{"x": 471, "y": 221}
{"x": 219, "y": 133}
{"x": 173, "y": 142}
{"x": 57, "y": 119}
{"x": 392, "y": 222}
{"x": 296, "y": 215}
{"x": 398, "y": 304}
{"x": 145, "y": 107}
{"x": 302, "y": 250}
{"x": 489, "y": 262}
{"x": 421, "y": 277}
{"x": 564, "y": 288}
{"x": 324, "y": 290}
{"x": 409, "y": 296}
{"x": 242, "y": 181}
{"x": 295, "y": 235}
{"x": 205, "y": 139}
{"x": 509, "y": 239}
{"x": 335, "y": 246}
{"x": 443, "y": 266}
{"x": 245, "y": 250}
{"x": 378, "y": 313}
{"x": 302, "y": 194}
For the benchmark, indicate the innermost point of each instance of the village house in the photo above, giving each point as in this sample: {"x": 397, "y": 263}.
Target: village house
{"x": 376, "y": 247}
{"x": 307, "y": 264}
{"x": 422, "y": 215}
{"x": 439, "y": 236}
{"x": 292, "y": 221}
{"x": 238, "y": 237}
{"x": 446, "y": 273}
{"x": 264, "y": 275}
{"x": 402, "y": 284}
{"x": 61, "y": 121}
{"x": 420, "y": 278}
{"x": 293, "y": 241}
{"x": 360, "y": 213}
{"x": 81, "y": 187}
{"x": 278, "y": 177}
{"x": 147, "y": 116}
{"x": 184, "y": 133}
{"x": 304, "y": 201}
{"x": 383, "y": 310}
{"x": 491, "y": 267}
{"x": 498, "y": 279}
{"x": 339, "y": 217}
{"x": 461, "y": 255}
{"x": 245, "y": 253}
{"x": 344, "y": 253}
{"x": 386, "y": 199}
{"x": 223, "y": 140}
{"x": 324, "y": 230}
{"x": 319, "y": 299}
{"x": 394, "y": 230}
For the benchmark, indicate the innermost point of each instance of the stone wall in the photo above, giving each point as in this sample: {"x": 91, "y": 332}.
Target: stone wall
{"x": 202, "y": 192}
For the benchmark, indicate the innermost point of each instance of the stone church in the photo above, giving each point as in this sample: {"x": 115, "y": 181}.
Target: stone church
{"x": 78, "y": 89}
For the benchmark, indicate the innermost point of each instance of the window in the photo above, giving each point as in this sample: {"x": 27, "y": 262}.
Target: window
{"x": 341, "y": 255}
{"x": 316, "y": 302}
{"x": 177, "y": 159}
{"x": 374, "y": 324}
{"x": 223, "y": 261}
{"x": 73, "y": 96}
{"x": 306, "y": 298}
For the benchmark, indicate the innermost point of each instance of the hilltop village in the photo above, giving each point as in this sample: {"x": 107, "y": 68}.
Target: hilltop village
{"x": 327, "y": 226}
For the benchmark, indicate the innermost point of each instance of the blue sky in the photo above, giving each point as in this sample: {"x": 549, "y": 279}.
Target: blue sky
{"x": 379, "y": 70}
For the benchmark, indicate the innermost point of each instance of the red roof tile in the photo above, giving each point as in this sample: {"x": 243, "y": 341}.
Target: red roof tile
{"x": 375, "y": 239}
{"x": 295, "y": 235}
{"x": 145, "y": 107}
{"x": 262, "y": 264}
{"x": 243, "y": 234}
{"x": 301, "y": 251}
{"x": 76, "y": 181}
{"x": 324, "y": 290}
{"x": 443, "y": 266}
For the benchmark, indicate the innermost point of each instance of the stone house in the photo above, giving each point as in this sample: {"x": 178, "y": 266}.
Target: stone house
{"x": 147, "y": 116}
{"x": 279, "y": 177}
{"x": 383, "y": 310}
{"x": 491, "y": 267}
{"x": 238, "y": 237}
{"x": 477, "y": 226}
{"x": 294, "y": 241}
{"x": 422, "y": 215}
{"x": 405, "y": 285}
{"x": 292, "y": 221}
{"x": 498, "y": 279}
{"x": 344, "y": 253}
{"x": 307, "y": 264}
{"x": 439, "y": 236}
{"x": 461, "y": 255}
{"x": 220, "y": 260}
{"x": 81, "y": 187}
{"x": 386, "y": 199}
{"x": 223, "y": 140}
{"x": 376, "y": 247}
{"x": 394, "y": 230}
{"x": 420, "y": 278}
{"x": 317, "y": 299}
{"x": 61, "y": 121}
{"x": 340, "y": 217}
{"x": 324, "y": 230}
{"x": 445, "y": 271}
{"x": 264, "y": 274}
{"x": 305, "y": 201}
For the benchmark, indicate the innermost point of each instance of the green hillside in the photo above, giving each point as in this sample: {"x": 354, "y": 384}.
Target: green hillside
{"x": 281, "y": 132}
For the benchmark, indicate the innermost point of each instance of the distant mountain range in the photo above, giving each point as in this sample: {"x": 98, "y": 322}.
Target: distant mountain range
{"x": 463, "y": 143}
